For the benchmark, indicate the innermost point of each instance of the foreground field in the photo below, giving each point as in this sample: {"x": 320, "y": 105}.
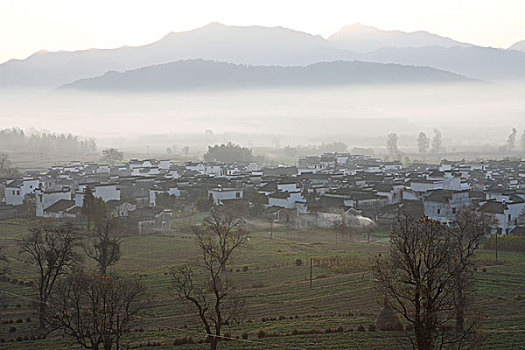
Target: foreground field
{"x": 283, "y": 311}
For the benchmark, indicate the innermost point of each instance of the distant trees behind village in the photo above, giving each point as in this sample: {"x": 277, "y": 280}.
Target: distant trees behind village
{"x": 6, "y": 170}
{"x": 228, "y": 153}
{"x": 46, "y": 143}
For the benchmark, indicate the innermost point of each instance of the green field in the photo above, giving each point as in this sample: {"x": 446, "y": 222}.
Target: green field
{"x": 279, "y": 298}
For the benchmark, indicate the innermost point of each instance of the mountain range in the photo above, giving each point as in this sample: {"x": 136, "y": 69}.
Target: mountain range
{"x": 275, "y": 46}
{"x": 200, "y": 74}
{"x": 519, "y": 46}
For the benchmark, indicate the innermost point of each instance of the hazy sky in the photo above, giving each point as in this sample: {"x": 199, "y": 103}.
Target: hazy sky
{"x": 27, "y": 26}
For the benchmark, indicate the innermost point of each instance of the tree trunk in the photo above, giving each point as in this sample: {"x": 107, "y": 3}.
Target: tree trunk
{"x": 214, "y": 343}
{"x": 460, "y": 318}
{"x": 423, "y": 338}
{"x": 41, "y": 313}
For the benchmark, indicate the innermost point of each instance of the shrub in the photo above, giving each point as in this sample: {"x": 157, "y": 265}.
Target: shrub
{"x": 409, "y": 327}
{"x": 361, "y": 328}
{"x": 19, "y": 320}
{"x": 245, "y": 268}
{"x": 28, "y": 319}
{"x": 298, "y": 262}
{"x": 12, "y": 329}
{"x": 245, "y": 335}
{"x": 261, "y": 334}
{"x": 340, "y": 329}
{"x": 281, "y": 317}
{"x": 257, "y": 284}
{"x": 372, "y": 328}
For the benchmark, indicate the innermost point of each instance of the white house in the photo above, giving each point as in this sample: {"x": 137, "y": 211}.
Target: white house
{"x": 506, "y": 213}
{"x": 13, "y": 193}
{"x": 107, "y": 192}
{"x": 45, "y": 199}
{"x": 442, "y": 205}
{"x": 219, "y": 194}
{"x": 284, "y": 199}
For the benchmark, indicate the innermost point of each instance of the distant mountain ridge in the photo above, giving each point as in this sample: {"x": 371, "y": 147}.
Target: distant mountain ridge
{"x": 361, "y": 38}
{"x": 257, "y": 45}
{"x": 200, "y": 74}
{"x": 519, "y": 46}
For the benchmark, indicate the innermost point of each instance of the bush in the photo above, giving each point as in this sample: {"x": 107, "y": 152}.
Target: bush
{"x": 28, "y": 319}
{"x": 12, "y": 329}
{"x": 245, "y": 268}
{"x": 261, "y": 334}
{"x": 409, "y": 327}
{"x": 361, "y": 328}
{"x": 340, "y": 329}
{"x": 372, "y": 328}
{"x": 298, "y": 262}
{"x": 245, "y": 335}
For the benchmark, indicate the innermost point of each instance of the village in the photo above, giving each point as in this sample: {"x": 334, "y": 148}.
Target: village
{"x": 359, "y": 192}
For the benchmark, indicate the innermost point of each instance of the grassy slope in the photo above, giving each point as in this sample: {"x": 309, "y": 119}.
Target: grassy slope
{"x": 274, "y": 288}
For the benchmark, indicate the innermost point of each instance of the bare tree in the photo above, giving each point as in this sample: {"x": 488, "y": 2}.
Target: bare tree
{"x": 3, "y": 261}
{"x": 112, "y": 155}
{"x": 4, "y": 161}
{"x": 186, "y": 150}
{"x": 215, "y": 300}
{"x": 6, "y": 171}
{"x": 511, "y": 140}
{"x": 423, "y": 142}
{"x": 51, "y": 249}
{"x": 523, "y": 141}
{"x": 467, "y": 231}
{"x": 3, "y": 266}
{"x": 88, "y": 204}
{"x": 437, "y": 141}
{"x": 415, "y": 278}
{"x": 391, "y": 144}
{"x": 104, "y": 249}
{"x": 96, "y": 310}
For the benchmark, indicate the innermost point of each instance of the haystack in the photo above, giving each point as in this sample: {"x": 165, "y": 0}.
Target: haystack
{"x": 388, "y": 320}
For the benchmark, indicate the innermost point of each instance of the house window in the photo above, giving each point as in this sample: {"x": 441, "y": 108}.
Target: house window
{"x": 18, "y": 193}
{"x": 453, "y": 210}
{"x": 439, "y": 211}
{"x": 510, "y": 218}
{"x": 237, "y": 195}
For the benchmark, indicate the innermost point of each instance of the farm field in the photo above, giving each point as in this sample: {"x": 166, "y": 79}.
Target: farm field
{"x": 283, "y": 310}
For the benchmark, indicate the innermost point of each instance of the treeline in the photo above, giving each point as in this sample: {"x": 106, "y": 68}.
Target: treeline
{"x": 46, "y": 143}
{"x": 228, "y": 153}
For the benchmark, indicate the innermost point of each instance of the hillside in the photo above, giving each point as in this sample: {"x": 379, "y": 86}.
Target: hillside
{"x": 361, "y": 38}
{"x": 200, "y": 74}
{"x": 519, "y": 46}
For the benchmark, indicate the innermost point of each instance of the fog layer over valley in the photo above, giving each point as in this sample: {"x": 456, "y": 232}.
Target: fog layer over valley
{"x": 470, "y": 114}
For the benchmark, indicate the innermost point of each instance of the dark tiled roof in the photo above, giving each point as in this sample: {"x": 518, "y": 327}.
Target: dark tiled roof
{"x": 60, "y": 206}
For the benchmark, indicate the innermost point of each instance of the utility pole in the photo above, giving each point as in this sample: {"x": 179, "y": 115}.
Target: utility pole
{"x": 496, "y": 245}
{"x": 271, "y": 227}
{"x": 311, "y": 271}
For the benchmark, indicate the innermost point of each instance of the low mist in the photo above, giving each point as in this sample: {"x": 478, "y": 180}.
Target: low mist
{"x": 469, "y": 115}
